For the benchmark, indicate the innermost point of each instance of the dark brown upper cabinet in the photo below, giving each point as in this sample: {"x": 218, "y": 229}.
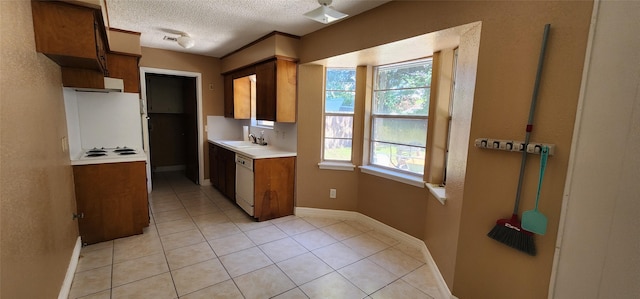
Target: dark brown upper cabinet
{"x": 125, "y": 67}
{"x": 275, "y": 91}
{"x": 276, "y": 83}
{"x": 71, "y": 35}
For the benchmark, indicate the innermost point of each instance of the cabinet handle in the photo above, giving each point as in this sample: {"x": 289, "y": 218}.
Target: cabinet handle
{"x": 78, "y": 216}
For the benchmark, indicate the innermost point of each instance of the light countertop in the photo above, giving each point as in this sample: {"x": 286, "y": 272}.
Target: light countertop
{"x": 109, "y": 158}
{"x": 253, "y": 151}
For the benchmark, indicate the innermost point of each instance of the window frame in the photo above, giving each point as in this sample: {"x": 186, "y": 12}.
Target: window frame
{"x": 372, "y": 116}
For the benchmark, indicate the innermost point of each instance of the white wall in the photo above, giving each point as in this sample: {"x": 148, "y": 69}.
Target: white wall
{"x": 599, "y": 248}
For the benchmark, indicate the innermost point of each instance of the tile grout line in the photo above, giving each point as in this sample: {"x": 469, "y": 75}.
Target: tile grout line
{"x": 164, "y": 253}
{"x": 214, "y": 252}
{"x": 113, "y": 262}
{"x": 287, "y": 236}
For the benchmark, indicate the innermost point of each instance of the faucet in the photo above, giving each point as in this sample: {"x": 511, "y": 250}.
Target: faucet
{"x": 257, "y": 140}
{"x": 261, "y": 139}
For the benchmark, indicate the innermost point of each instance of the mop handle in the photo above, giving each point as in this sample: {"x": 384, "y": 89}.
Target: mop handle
{"x": 534, "y": 99}
{"x": 544, "y": 154}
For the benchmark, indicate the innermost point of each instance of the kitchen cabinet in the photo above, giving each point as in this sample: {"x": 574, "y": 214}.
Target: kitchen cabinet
{"x": 125, "y": 67}
{"x": 111, "y": 199}
{"x": 82, "y": 78}
{"x": 274, "y": 181}
{"x": 73, "y": 36}
{"x": 275, "y": 91}
{"x": 237, "y": 97}
{"x": 222, "y": 170}
{"x": 276, "y": 83}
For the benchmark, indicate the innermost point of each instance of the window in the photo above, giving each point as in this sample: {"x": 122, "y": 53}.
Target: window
{"x": 453, "y": 88}
{"x": 339, "y": 99}
{"x": 265, "y": 123}
{"x": 399, "y": 114}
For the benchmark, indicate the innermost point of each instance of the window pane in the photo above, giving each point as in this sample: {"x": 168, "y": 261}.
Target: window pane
{"x": 339, "y": 101}
{"x": 341, "y": 79}
{"x": 407, "y": 158}
{"x": 402, "y": 102}
{"x": 265, "y": 123}
{"x": 404, "y": 76}
{"x": 404, "y": 131}
{"x": 337, "y": 149}
{"x": 338, "y": 126}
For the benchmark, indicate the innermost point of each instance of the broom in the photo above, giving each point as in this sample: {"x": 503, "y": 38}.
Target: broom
{"x": 509, "y": 231}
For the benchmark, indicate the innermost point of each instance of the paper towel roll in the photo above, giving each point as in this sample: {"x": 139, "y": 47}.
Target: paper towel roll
{"x": 245, "y": 132}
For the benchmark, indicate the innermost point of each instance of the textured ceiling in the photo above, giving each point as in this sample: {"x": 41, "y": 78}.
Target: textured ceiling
{"x": 220, "y": 26}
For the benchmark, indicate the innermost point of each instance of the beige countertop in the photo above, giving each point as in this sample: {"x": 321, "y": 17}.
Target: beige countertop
{"x": 253, "y": 151}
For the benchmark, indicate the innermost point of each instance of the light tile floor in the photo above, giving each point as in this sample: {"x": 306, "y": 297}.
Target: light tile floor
{"x": 201, "y": 245}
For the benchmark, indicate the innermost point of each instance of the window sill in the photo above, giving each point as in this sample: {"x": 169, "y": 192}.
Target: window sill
{"x": 346, "y": 166}
{"x": 437, "y": 191}
{"x": 392, "y": 175}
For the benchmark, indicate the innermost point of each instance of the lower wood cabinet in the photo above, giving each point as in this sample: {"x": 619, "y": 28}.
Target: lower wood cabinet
{"x": 222, "y": 170}
{"x": 112, "y": 199}
{"x": 274, "y": 181}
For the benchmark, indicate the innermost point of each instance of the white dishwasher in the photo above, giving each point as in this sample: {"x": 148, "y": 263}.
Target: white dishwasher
{"x": 244, "y": 183}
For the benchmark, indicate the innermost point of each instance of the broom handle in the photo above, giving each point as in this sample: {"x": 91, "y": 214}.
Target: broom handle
{"x": 534, "y": 99}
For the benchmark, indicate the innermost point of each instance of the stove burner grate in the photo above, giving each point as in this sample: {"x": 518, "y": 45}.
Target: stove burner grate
{"x": 96, "y": 151}
{"x": 124, "y": 150}
{"x": 96, "y": 154}
{"x": 126, "y": 153}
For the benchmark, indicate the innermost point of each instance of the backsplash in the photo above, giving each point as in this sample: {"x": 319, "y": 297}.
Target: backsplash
{"x": 283, "y": 135}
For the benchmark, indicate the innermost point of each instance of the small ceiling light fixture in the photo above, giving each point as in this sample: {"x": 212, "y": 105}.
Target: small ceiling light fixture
{"x": 325, "y": 14}
{"x": 184, "y": 40}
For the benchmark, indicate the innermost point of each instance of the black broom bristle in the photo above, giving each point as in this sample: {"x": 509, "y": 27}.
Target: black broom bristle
{"x": 513, "y": 238}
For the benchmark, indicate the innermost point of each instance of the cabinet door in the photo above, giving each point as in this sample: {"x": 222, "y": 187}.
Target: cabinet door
{"x": 213, "y": 166}
{"x": 242, "y": 92}
{"x": 274, "y": 181}
{"x": 276, "y": 89}
{"x": 126, "y": 68}
{"x": 237, "y": 100}
{"x": 228, "y": 96}
{"x": 113, "y": 199}
{"x": 70, "y": 35}
{"x": 286, "y": 90}
{"x": 101, "y": 43}
{"x": 266, "y": 91}
{"x": 230, "y": 174}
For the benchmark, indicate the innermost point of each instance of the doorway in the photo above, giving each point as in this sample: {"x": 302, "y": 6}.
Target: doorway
{"x": 173, "y": 103}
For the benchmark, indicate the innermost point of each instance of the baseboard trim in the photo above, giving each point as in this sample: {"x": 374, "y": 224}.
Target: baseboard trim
{"x": 380, "y": 226}
{"x": 445, "y": 292}
{"x": 71, "y": 270}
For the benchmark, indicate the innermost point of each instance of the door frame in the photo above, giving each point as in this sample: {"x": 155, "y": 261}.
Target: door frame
{"x": 145, "y": 125}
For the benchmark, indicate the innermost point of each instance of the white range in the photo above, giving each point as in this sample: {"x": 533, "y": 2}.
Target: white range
{"x": 109, "y": 155}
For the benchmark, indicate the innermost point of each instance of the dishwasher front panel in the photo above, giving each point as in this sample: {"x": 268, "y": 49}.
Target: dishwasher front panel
{"x": 244, "y": 183}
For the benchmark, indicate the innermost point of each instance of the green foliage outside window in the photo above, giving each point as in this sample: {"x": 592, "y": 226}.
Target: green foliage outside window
{"x": 399, "y": 118}
{"x": 339, "y": 108}
{"x": 403, "y": 90}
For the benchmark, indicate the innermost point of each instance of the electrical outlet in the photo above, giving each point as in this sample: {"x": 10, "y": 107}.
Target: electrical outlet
{"x": 332, "y": 193}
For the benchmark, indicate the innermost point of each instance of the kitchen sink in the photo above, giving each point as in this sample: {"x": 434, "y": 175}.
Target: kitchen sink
{"x": 239, "y": 143}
